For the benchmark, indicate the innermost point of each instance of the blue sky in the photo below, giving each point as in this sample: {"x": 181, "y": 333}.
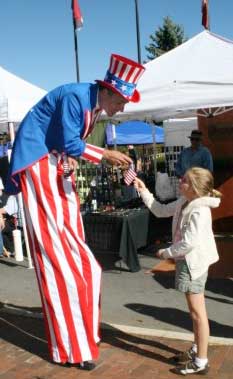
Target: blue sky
{"x": 37, "y": 40}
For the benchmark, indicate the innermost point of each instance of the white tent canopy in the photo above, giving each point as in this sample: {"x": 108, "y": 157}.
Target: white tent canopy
{"x": 17, "y": 96}
{"x": 197, "y": 74}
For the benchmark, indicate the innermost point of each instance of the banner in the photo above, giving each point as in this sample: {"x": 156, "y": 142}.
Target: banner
{"x": 205, "y": 14}
{"x": 77, "y": 16}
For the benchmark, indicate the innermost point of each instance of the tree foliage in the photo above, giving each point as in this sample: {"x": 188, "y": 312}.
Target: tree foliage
{"x": 168, "y": 36}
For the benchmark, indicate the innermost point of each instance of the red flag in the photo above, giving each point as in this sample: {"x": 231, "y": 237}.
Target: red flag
{"x": 77, "y": 16}
{"x": 205, "y": 14}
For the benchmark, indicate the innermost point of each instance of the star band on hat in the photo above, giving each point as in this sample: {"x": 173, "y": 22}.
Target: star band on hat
{"x": 126, "y": 88}
{"x": 122, "y": 77}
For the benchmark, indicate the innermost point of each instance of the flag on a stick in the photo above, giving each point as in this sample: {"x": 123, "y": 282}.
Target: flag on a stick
{"x": 77, "y": 16}
{"x": 129, "y": 175}
{"x": 205, "y": 14}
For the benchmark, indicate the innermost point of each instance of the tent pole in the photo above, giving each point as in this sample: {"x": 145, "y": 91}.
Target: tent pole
{"x": 114, "y": 136}
{"x": 154, "y": 151}
{"x": 115, "y": 148}
{"x": 11, "y": 132}
{"x": 143, "y": 159}
{"x": 20, "y": 202}
{"x": 21, "y": 208}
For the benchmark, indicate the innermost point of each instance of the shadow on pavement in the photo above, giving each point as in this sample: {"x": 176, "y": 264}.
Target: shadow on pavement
{"x": 179, "y": 318}
{"x": 17, "y": 308}
{"x": 166, "y": 280}
{"x": 222, "y": 287}
{"x": 219, "y": 299}
{"x": 111, "y": 262}
{"x": 26, "y": 333}
{"x": 8, "y": 262}
{"x": 219, "y": 286}
{"x": 139, "y": 345}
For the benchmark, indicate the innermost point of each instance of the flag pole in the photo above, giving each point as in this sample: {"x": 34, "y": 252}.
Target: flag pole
{"x": 208, "y": 16}
{"x": 76, "y": 50}
{"x": 138, "y": 32}
{"x": 154, "y": 150}
{"x": 77, "y": 25}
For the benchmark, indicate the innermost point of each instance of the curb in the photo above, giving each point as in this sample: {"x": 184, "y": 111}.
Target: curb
{"x": 126, "y": 328}
{"x": 164, "y": 333}
{"x": 20, "y": 312}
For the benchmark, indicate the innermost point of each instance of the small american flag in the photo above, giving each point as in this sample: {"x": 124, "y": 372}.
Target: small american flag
{"x": 67, "y": 171}
{"x": 130, "y": 175}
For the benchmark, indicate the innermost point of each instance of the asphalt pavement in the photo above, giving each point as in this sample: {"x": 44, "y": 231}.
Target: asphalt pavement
{"x": 134, "y": 302}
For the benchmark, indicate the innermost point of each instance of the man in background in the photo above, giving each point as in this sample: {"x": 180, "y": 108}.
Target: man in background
{"x": 133, "y": 155}
{"x": 196, "y": 155}
{"x": 9, "y": 212}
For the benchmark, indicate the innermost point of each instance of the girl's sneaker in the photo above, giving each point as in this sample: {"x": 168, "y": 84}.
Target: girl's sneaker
{"x": 191, "y": 368}
{"x": 185, "y": 356}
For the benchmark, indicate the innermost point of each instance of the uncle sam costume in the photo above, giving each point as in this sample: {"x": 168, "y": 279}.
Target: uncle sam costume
{"x": 68, "y": 275}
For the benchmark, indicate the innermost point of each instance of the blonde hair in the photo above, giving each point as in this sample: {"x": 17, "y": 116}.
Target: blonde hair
{"x": 202, "y": 182}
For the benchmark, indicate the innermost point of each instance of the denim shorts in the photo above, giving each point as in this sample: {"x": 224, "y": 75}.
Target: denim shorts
{"x": 184, "y": 282}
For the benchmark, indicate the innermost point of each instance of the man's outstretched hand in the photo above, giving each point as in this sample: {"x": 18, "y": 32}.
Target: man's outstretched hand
{"x": 116, "y": 158}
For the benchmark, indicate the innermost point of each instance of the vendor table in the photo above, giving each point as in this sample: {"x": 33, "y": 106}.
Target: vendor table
{"x": 119, "y": 231}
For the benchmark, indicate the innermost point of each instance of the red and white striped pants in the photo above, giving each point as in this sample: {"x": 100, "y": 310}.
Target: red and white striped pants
{"x": 68, "y": 275}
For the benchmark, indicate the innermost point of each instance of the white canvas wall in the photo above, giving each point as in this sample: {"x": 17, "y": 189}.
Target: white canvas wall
{"x": 17, "y": 96}
{"x": 176, "y": 131}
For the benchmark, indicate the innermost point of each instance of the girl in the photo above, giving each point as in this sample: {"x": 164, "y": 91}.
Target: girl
{"x": 194, "y": 250}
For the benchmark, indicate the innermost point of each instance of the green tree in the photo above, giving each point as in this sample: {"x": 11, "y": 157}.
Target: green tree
{"x": 165, "y": 38}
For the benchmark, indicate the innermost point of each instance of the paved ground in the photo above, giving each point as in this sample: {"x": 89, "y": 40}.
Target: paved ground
{"x": 122, "y": 355}
{"x": 133, "y": 299}
{"x": 150, "y": 323}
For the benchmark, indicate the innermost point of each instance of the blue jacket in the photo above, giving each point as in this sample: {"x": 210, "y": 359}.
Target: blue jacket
{"x": 56, "y": 122}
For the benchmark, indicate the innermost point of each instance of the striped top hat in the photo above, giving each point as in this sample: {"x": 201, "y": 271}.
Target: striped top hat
{"x": 122, "y": 77}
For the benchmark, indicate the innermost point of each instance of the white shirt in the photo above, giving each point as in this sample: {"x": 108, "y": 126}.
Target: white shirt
{"x": 1, "y": 185}
{"x": 11, "y": 206}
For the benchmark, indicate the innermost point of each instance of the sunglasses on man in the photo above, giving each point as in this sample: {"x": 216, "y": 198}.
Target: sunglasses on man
{"x": 195, "y": 139}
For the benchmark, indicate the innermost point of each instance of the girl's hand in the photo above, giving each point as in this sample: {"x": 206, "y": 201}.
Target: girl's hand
{"x": 159, "y": 253}
{"x": 138, "y": 184}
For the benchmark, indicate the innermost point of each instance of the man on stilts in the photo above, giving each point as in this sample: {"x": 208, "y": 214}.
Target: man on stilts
{"x": 49, "y": 139}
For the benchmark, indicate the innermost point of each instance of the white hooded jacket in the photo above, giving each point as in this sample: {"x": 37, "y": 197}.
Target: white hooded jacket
{"x": 197, "y": 244}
